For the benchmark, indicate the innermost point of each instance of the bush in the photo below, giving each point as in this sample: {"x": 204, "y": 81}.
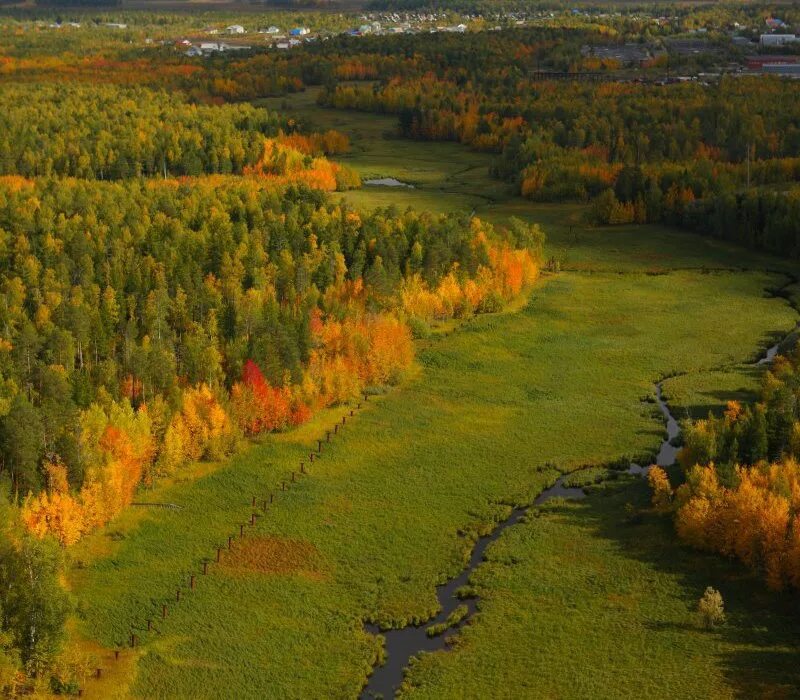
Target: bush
{"x": 711, "y": 608}
{"x": 419, "y": 328}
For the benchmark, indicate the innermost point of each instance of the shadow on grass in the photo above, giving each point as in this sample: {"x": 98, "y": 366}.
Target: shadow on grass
{"x": 762, "y": 625}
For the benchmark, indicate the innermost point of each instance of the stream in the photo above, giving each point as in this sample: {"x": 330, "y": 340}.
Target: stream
{"x": 403, "y": 644}
{"x": 387, "y": 182}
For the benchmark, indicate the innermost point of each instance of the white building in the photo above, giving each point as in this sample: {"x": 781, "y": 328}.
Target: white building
{"x": 235, "y": 29}
{"x": 778, "y": 39}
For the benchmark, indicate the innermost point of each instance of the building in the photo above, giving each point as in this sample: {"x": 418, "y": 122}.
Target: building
{"x": 299, "y": 31}
{"x": 235, "y": 29}
{"x": 759, "y": 63}
{"x": 625, "y": 54}
{"x": 787, "y": 69}
{"x": 778, "y": 39}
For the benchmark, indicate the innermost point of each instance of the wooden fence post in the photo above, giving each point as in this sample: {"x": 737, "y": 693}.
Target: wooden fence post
{"x": 191, "y": 582}
{"x": 178, "y": 596}
{"x": 164, "y": 611}
{"x": 205, "y": 568}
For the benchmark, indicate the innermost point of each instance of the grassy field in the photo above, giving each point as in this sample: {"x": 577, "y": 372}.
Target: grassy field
{"x": 575, "y": 602}
{"x": 389, "y": 509}
{"x": 581, "y": 601}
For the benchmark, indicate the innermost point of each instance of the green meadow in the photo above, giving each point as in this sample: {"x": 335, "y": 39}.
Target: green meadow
{"x": 587, "y": 599}
{"x": 581, "y": 601}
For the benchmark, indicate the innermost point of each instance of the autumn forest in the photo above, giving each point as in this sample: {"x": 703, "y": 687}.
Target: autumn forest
{"x": 402, "y": 350}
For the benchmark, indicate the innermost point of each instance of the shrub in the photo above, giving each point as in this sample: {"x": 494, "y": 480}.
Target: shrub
{"x": 711, "y": 608}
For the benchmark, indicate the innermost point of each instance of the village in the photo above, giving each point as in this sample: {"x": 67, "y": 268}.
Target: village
{"x": 769, "y": 46}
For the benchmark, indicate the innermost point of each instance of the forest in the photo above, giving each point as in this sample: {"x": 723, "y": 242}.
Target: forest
{"x": 722, "y": 160}
{"x": 109, "y": 133}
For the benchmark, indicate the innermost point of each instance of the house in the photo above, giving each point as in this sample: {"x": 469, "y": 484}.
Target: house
{"x": 235, "y": 29}
{"x": 299, "y": 31}
{"x": 209, "y": 46}
{"x": 272, "y": 30}
{"x": 194, "y": 51}
{"x": 282, "y": 45}
{"x": 778, "y": 39}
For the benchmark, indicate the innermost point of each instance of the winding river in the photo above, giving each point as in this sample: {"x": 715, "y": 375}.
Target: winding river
{"x": 403, "y": 644}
